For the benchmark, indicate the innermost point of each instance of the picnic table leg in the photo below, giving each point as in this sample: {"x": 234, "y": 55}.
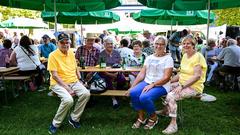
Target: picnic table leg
{"x": 4, "y": 89}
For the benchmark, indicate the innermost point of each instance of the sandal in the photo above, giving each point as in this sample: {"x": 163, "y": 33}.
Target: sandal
{"x": 138, "y": 123}
{"x": 171, "y": 129}
{"x": 151, "y": 123}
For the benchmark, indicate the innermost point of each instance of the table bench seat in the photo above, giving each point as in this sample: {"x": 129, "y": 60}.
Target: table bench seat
{"x": 15, "y": 78}
{"x": 120, "y": 93}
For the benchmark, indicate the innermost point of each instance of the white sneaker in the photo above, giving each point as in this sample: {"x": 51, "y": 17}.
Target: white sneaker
{"x": 171, "y": 129}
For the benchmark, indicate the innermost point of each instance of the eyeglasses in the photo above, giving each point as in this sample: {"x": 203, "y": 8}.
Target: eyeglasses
{"x": 64, "y": 42}
{"x": 159, "y": 44}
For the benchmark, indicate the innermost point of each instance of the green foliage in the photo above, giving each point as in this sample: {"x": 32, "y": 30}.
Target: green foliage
{"x": 229, "y": 16}
{"x": 8, "y": 13}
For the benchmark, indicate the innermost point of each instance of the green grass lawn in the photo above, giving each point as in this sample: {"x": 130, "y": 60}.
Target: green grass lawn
{"x": 32, "y": 112}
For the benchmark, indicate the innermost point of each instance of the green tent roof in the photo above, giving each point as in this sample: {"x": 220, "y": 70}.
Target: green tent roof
{"x": 62, "y": 5}
{"x": 171, "y": 17}
{"x": 190, "y": 4}
{"x": 93, "y": 17}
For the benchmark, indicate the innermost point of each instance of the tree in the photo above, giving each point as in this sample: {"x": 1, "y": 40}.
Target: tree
{"x": 229, "y": 16}
{"x": 8, "y": 13}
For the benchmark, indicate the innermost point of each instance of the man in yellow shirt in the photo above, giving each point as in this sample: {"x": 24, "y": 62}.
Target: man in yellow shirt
{"x": 65, "y": 83}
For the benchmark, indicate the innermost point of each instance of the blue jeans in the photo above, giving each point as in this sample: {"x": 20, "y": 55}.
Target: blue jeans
{"x": 145, "y": 101}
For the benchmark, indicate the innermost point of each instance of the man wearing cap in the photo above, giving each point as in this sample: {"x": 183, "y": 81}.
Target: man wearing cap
{"x": 88, "y": 51}
{"x": 64, "y": 82}
{"x": 47, "y": 47}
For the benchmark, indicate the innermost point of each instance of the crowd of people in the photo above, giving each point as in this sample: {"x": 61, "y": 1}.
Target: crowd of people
{"x": 156, "y": 55}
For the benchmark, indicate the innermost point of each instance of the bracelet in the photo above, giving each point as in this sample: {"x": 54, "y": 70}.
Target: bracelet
{"x": 182, "y": 86}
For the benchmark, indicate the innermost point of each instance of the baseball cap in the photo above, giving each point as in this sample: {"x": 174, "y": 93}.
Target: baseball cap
{"x": 45, "y": 36}
{"x": 63, "y": 36}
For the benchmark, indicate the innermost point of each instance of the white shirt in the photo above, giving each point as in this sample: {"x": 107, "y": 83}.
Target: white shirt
{"x": 155, "y": 67}
{"x": 125, "y": 52}
{"x": 23, "y": 61}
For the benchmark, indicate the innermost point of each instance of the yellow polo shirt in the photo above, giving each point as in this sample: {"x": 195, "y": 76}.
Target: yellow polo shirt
{"x": 187, "y": 70}
{"x": 65, "y": 65}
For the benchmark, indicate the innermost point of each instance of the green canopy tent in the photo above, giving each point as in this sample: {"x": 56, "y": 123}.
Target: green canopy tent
{"x": 191, "y": 5}
{"x": 117, "y": 31}
{"x": 24, "y": 23}
{"x": 171, "y": 17}
{"x": 62, "y": 5}
{"x": 91, "y": 17}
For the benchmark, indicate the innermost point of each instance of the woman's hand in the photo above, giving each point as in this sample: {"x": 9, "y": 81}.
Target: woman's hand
{"x": 178, "y": 89}
{"x": 127, "y": 93}
{"x": 148, "y": 87}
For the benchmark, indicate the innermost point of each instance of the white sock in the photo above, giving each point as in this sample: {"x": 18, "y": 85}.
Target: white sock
{"x": 114, "y": 101}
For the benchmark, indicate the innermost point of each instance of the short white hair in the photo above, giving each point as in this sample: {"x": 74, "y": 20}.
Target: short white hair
{"x": 231, "y": 42}
{"x": 161, "y": 38}
{"x": 108, "y": 40}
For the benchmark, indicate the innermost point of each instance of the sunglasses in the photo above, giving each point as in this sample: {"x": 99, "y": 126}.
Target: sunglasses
{"x": 64, "y": 42}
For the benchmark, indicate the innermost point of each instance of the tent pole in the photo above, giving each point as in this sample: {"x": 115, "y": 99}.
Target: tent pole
{"x": 55, "y": 17}
{"x": 81, "y": 30}
{"x": 208, "y": 22}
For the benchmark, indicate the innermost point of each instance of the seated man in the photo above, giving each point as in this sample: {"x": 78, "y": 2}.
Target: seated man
{"x": 65, "y": 83}
{"x": 231, "y": 57}
{"x": 47, "y": 47}
{"x": 89, "y": 53}
{"x": 111, "y": 57}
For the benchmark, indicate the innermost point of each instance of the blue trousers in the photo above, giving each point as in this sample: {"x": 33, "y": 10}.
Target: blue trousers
{"x": 145, "y": 101}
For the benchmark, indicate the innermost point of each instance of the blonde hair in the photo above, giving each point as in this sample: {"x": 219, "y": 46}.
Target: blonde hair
{"x": 191, "y": 39}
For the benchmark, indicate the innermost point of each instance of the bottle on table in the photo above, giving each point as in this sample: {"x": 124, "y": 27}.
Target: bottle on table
{"x": 124, "y": 64}
{"x": 82, "y": 62}
{"x": 143, "y": 59}
{"x": 102, "y": 63}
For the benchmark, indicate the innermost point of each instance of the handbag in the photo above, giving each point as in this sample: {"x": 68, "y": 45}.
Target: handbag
{"x": 37, "y": 66}
{"x": 97, "y": 84}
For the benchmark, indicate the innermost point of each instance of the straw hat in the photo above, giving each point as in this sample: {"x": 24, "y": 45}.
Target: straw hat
{"x": 90, "y": 36}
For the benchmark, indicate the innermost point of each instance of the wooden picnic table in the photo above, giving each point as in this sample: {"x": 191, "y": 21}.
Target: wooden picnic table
{"x": 109, "y": 69}
{"x": 3, "y": 72}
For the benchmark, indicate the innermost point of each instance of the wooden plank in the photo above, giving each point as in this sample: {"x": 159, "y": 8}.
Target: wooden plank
{"x": 8, "y": 70}
{"x": 120, "y": 93}
{"x": 16, "y": 78}
{"x": 109, "y": 69}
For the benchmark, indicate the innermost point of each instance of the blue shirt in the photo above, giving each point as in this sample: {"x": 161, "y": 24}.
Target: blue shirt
{"x": 114, "y": 58}
{"x": 45, "y": 50}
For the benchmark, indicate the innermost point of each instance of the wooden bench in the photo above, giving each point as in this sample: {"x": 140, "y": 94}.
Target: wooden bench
{"x": 119, "y": 93}
{"x": 17, "y": 78}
